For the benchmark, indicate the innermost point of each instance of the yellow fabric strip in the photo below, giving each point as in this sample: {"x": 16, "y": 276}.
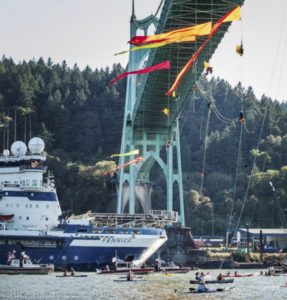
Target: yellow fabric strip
{"x": 132, "y": 152}
{"x": 196, "y": 30}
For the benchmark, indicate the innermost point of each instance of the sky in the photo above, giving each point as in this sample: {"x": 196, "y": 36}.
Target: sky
{"x": 89, "y": 32}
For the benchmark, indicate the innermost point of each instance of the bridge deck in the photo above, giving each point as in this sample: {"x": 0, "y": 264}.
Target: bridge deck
{"x": 152, "y": 87}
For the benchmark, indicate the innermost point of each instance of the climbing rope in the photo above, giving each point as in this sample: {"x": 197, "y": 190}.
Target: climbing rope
{"x": 205, "y": 149}
{"x": 236, "y": 179}
{"x": 262, "y": 126}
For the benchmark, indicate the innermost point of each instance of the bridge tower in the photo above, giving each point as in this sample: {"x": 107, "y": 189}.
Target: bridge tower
{"x": 134, "y": 183}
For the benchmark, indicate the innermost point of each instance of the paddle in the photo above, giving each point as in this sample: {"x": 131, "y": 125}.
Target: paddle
{"x": 133, "y": 277}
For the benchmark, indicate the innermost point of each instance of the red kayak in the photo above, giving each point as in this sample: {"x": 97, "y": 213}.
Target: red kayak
{"x": 238, "y": 275}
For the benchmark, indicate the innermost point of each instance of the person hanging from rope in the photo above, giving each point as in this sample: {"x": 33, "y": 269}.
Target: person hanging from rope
{"x": 243, "y": 122}
{"x": 165, "y": 111}
{"x": 241, "y": 118}
{"x": 240, "y": 49}
{"x": 208, "y": 69}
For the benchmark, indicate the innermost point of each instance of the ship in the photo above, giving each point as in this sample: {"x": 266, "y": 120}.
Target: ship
{"x": 31, "y": 220}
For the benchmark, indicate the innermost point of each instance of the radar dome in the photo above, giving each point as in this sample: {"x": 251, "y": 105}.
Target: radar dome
{"x": 6, "y": 152}
{"x": 18, "y": 148}
{"x": 36, "y": 145}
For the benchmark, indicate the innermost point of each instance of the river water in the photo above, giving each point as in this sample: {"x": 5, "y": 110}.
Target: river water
{"x": 153, "y": 286}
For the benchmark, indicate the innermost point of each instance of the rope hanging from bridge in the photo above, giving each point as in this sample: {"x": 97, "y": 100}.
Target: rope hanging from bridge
{"x": 205, "y": 148}
{"x": 242, "y": 121}
{"x": 210, "y": 99}
{"x": 272, "y": 77}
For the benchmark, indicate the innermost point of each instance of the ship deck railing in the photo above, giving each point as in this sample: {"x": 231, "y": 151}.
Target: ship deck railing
{"x": 29, "y": 167}
{"x": 154, "y": 218}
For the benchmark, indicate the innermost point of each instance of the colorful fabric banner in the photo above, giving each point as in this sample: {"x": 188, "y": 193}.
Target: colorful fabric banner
{"x": 160, "y": 66}
{"x": 132, "y": 152}
{"x": 232, "y": 15}
{"x": 161, "y": 44}
{"x": 131, "y": 162}
{"x": 196, "y": 30}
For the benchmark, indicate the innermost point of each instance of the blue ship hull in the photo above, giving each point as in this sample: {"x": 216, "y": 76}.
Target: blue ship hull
{"x": 79, "y": 258}
{"x": 83, "y": 251}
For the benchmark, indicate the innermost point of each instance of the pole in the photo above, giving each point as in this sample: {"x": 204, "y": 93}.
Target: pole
{"x": 226, "y": 240}
{"x": 247, "y": 231}
{"x": 212, "y": 218}
{"x": 273, "y": 198}
{"x": 261, "y": 245}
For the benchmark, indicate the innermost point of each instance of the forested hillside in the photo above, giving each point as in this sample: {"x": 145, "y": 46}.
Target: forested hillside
{"x": 79, "y": 115}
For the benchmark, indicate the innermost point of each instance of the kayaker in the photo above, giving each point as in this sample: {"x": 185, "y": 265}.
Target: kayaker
{"x": 202, "y": 276}
{"x": 130, "y": 275}
{"x": 197, "y": 276}
{"x": 72, "y": 272}
{"x": 65, "y": 273}
{"x": 219, "y": 276}
{"x": 201, "y": 287}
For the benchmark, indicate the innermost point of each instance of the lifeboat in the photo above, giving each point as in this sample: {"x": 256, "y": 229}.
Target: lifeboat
{"x": 5, "y": 218}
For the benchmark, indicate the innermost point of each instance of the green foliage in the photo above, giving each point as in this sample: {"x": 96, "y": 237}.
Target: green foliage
{"x": 239, "y": 257}
{"x": 79, "y": 115}
{"x": 239, "y": 161}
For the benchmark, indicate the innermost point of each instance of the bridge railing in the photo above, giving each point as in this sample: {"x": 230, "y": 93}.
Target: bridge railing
{"x": 165, "y": 215}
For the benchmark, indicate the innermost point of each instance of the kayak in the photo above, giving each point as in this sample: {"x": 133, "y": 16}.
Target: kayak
{"x": 238, "y": 275}
{"x": 213, "y": 281}
{"x": 125, "y": 277}
{"x": 194, "y": 291}
{"x": 132, "y": 280}
{"x": 137, "y": 271}
{"x": 71, "y": 276}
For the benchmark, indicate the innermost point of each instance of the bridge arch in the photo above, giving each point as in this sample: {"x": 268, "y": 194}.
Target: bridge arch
{"x": 146, "y": 93}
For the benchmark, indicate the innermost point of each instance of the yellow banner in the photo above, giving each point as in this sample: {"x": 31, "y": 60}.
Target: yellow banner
{"x": 132, "y": 152}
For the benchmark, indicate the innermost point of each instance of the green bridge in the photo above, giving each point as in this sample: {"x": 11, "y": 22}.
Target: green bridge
{"x": 145, "y": 126}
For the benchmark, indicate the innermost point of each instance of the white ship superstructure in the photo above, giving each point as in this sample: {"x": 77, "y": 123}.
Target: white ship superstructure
{"x": 31, "y": 203}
